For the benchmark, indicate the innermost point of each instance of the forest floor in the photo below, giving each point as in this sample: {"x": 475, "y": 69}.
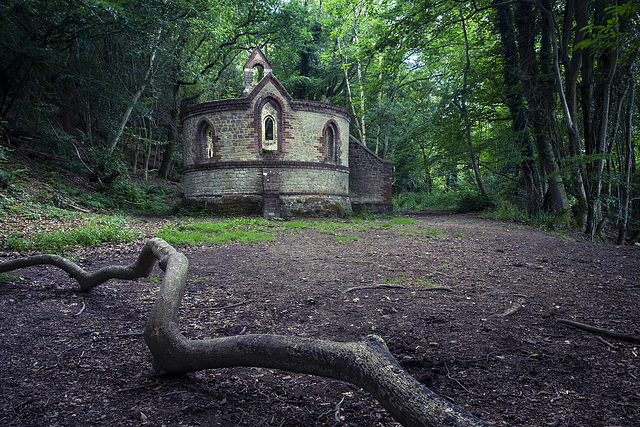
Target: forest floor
{"x": 475, "y": 317}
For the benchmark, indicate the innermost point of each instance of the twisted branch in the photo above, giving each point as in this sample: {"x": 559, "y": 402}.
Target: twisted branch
{"x": 367, "y": 363}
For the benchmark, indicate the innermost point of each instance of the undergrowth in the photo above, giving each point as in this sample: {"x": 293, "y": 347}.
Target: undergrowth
{"x": 461, "y": 201}
{"x": 509, "y": 212}
{"x": 96, "y": 230}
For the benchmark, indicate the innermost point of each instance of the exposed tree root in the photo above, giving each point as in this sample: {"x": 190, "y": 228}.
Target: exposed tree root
{"x": 606, "y": 332}
{"x": 366, "y": 363}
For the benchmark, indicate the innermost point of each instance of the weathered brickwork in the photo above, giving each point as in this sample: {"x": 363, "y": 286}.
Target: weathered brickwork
{"x": 370, "y": 179}
{"x": 267, "y": 149}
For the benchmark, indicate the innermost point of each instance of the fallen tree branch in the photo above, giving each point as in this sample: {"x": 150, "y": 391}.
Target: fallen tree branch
{"x": 381, "y": 285}
{"x": 606, "y": 332}
{"x": 366, "y": 363}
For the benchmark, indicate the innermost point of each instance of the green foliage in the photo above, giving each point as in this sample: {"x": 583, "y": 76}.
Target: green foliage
{"x": 509, "y": 212}
{"x": 459, "y": 201}
{"x": 473, "y": 202}
{"x": 97, "y": 230}
{"x": 126, "y": 196}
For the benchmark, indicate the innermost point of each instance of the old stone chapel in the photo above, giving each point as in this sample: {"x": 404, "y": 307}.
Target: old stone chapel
{"x": 267, "y": 153}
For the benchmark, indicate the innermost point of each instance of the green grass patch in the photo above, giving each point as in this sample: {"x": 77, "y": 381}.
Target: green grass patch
{"x": 414, "y": 233}
{"x": 426, "y": 283}
{"x": 239, "y": 229}
{"x": 395, "y": 280}
{"x": 347, "y": 285}
{"x": 97, "y": 230}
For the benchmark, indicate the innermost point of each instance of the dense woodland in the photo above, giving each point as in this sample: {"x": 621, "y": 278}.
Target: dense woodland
{"x": 529, "y": 106}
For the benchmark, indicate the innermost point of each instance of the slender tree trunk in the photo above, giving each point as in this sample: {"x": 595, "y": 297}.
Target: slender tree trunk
{"x": 594, "y": 214}
{"x": 628, "y": 168}
{"x": 465, "y": 115}
{"x": 579, "y": 9}
{"x": 172, "y": 133}
{"x": 517, "y": 109}
{"x": 138, "y": 93}
{"x": 345, "y": 68}
{"x": 379, "y": 115}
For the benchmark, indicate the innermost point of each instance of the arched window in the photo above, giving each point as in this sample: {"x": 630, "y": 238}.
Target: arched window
{"x": 331, "y": 143}
{"x": 208, "y": 134}
{"x": 205, "y": 148}
{"x": 268, "y": 129}
{"x": 269, "y": 116}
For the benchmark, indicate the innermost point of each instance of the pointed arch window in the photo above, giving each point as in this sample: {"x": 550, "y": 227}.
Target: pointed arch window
{"x": 205, "y": 149}
{"x": 331, "y": 143}
{"x": 269, "y": 128}
{"x": 208, "y": 134}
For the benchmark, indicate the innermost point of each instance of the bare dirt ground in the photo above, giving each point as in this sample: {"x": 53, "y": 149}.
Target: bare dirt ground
{"x": 475, "y": 319}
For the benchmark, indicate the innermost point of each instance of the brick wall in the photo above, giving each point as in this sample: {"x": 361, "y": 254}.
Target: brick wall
{"x": 370, "y": 179}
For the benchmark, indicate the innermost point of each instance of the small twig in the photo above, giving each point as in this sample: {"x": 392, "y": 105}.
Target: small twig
{"x": 381, "y": 285}
{"x": 82, "y": 309}
{"x": 459, "y": 383}
{"x": 336, "y": 412}
{"x": 606, "y": 343}
{"x": 514, "y": 308}
{"x": 593, "y": 329}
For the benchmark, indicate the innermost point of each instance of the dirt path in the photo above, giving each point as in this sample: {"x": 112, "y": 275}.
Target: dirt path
{"x": 475, "y": 318}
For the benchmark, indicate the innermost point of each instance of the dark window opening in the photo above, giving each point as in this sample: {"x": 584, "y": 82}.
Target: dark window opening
{"x": 268, "y": 129}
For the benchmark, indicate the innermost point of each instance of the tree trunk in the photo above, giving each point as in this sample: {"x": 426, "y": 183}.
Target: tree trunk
{"x": 137, "y": 94}
{"x": 345, "y": 68}
{"x": 366, "y": 363}
{"x": 465, "y": 114}
{"x": 594, "y": 214}
{"x": 579, "y": 9}
{"x": 540, "y": 95}
{"x": 517, "y": 109}
{"x": 172, "y": 133}
{"x": 628, "y": 168}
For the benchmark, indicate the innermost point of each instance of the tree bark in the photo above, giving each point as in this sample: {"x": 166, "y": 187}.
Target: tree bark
{"x": 465, "y": 114}
{"x": 579, "y": 10}
{"x": 540, "y": 95}
{"x": 628, "y": 168}
{"x": 515, "y": 103}
{"x": 366, "y": 363}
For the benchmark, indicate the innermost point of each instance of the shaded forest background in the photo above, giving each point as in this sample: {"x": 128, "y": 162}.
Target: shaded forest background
{"x": 529, "y": 107}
